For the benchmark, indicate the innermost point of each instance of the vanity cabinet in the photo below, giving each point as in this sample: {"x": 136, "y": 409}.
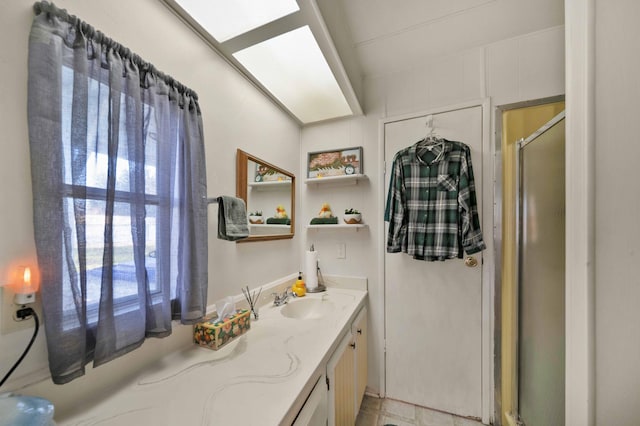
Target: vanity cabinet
{"x": 347, "y": 373}
{"x": 359, "y": 332}
{"x": 279, "y": 366}
{"x": 314, "y": 412}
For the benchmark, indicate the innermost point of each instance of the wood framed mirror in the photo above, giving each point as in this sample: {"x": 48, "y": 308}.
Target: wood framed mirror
{"x": 269, "y": 190}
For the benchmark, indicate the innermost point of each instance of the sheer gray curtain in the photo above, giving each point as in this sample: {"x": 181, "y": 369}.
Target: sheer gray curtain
{"x": 119, "y": 194}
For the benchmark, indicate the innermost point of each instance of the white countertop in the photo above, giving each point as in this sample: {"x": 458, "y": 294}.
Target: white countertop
{"x": 260, "y": 378}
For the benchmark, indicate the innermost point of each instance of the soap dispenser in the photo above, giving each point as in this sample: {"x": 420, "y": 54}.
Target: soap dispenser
{"x": 298, "y": 288}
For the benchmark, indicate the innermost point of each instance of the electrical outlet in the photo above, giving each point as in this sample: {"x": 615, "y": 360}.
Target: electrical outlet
{"x": 342, "y": 251}
{"x": 8, "y": 312}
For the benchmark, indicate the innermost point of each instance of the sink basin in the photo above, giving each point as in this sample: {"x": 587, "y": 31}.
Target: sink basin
{"x": 307, "y": 308}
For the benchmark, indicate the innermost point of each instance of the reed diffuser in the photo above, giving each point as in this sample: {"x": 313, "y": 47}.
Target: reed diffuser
{"x": 252, "y": 300}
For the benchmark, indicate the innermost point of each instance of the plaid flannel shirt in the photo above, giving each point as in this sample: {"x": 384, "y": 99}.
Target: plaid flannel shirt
{"x": 431, "y": 204}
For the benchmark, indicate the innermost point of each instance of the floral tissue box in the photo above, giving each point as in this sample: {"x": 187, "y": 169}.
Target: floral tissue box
{"x": 213, "y": 333}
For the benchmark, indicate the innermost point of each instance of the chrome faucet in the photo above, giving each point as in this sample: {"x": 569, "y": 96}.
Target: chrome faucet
{"x": 281, "y": 299}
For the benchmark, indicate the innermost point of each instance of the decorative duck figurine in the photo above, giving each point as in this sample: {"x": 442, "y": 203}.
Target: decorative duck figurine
{"x": 325, "y": 216}
{"x": 281, "y": 213}
{"x": 325, "y": 211}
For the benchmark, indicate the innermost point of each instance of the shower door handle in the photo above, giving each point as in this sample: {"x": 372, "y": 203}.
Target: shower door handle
{"x": 471, "y": 262}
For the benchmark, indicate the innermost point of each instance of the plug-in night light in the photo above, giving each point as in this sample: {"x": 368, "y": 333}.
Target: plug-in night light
{"x": 25, "y": 286}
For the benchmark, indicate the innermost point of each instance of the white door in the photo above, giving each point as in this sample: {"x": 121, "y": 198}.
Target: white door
{"x": 433, "y": 310}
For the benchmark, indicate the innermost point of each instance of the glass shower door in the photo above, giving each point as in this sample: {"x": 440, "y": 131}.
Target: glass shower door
{"x": 541, "y": 267}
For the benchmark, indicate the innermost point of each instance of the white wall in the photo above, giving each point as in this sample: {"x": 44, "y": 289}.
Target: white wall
{"x": 617, "y": 282}
{"x": 235, "y": 115}
{"x": 513, "y": 70}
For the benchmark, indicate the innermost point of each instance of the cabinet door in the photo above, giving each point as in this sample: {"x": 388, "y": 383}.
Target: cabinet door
{"x": 314, "y": 411}
{"x": 359, "y": 332}
{"x": 341, "y": 374}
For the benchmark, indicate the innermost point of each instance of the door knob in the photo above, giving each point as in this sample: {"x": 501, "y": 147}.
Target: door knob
{"x": 471, "y": 262}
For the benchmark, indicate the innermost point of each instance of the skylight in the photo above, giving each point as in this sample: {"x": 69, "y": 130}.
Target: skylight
{"x": 291, "y": 66}
{"x": 225, "y": 19}
{"x": 284, "y": 48}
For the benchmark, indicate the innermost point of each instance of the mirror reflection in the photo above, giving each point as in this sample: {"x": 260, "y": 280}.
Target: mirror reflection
{"x": 269, "y": 194}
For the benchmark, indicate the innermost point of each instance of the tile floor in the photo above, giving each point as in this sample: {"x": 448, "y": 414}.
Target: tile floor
{"x": 379, "y": 412}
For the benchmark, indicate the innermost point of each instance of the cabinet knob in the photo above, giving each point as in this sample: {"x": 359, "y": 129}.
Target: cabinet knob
{"x": 359, "y": 331}
{"x": 353, "y": 345}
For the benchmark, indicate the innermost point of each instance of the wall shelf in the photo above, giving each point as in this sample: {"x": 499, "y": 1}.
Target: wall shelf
{"x": 269, "y": 186}
{"x": 268, "y": 225}
{"x": 336, "y": 180}
{"x": 357, "y": 227}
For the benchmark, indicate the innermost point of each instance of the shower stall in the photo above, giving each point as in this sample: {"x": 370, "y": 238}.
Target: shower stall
{"x": 540, "y": 227}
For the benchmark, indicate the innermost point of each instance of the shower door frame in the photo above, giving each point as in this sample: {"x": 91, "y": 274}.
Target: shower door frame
{"x": 520, "y": 247}
{"x": 498, "y": 189}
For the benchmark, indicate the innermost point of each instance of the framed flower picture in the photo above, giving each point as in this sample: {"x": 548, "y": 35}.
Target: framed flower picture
{"x": 337, "y": 162}
{"x": 267, "y": 174}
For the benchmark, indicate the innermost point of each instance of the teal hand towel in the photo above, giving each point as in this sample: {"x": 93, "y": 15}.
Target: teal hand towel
{"x": 232, "y": 218}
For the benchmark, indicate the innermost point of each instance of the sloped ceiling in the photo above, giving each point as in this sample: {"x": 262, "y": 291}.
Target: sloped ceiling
{"x": 383, "y": 36}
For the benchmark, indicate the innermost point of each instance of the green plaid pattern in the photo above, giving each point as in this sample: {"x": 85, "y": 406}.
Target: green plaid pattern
{"x": 431, "y": 204}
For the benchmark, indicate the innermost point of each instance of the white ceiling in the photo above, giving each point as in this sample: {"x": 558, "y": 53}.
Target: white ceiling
{"x": 384, "y": 36}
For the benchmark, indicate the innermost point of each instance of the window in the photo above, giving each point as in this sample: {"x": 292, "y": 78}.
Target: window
{"x": 119, "y": 184}
{"x": 96, "y": 173}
